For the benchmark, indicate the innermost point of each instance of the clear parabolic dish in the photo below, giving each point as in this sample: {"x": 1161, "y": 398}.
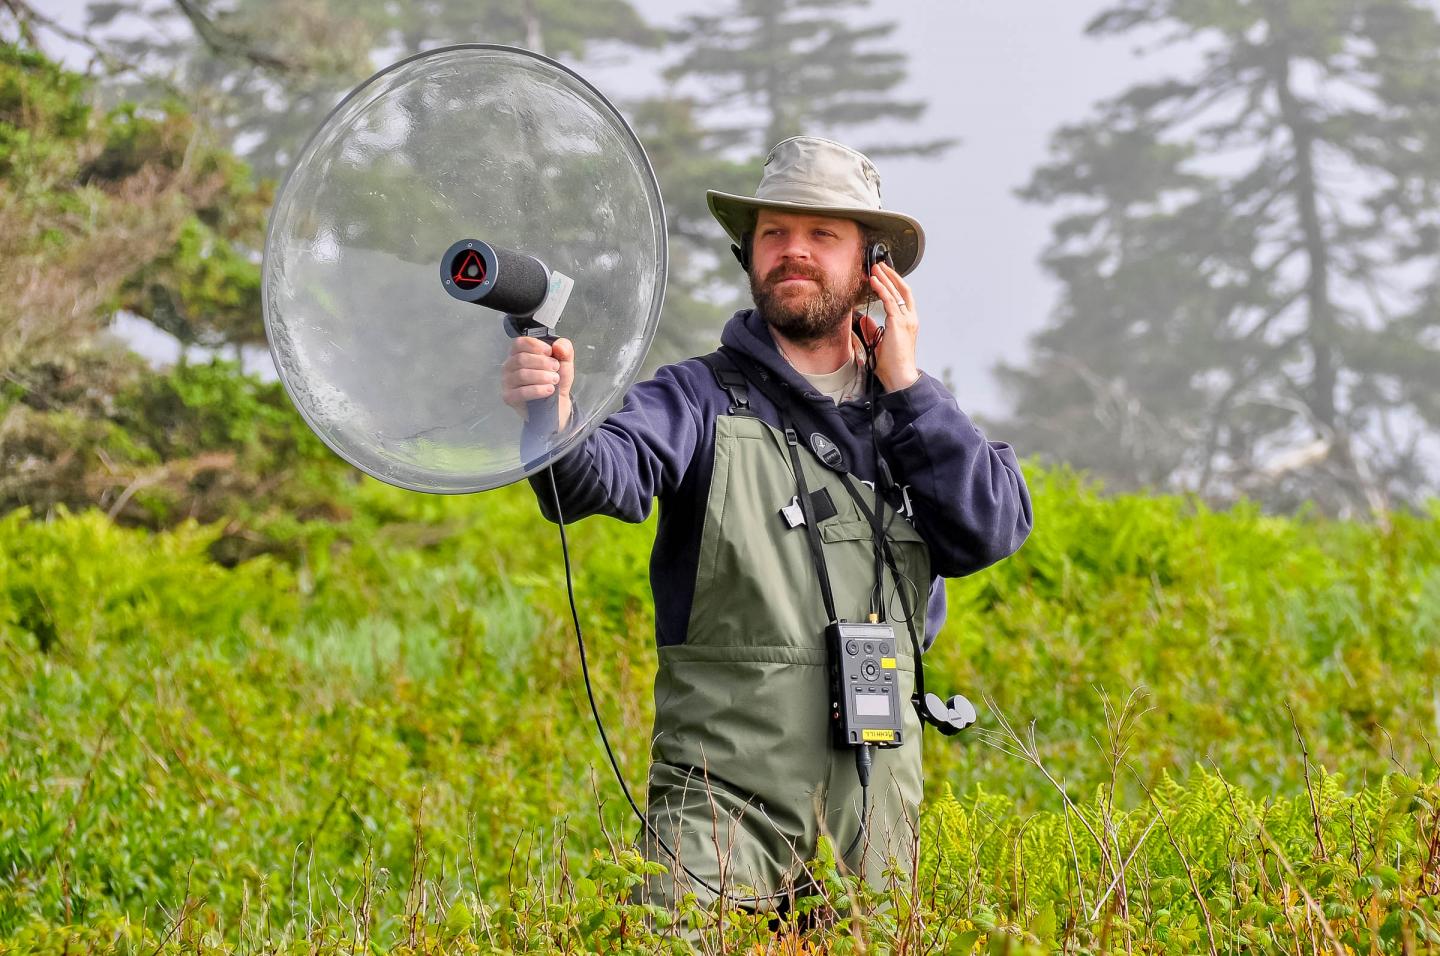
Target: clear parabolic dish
{"x": 473, "y": 141}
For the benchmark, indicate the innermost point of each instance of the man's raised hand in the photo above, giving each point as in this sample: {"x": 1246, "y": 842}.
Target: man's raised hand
{"x": 895, "y": 356}
{"x": 536, "y": 370}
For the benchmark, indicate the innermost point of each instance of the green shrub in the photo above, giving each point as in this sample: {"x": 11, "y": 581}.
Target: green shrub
{"x": 380, "y": 733}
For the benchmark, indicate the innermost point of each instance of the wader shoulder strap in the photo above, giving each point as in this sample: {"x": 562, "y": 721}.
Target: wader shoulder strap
{"x": 736, "y": 383}
{"x": 812, "y": 524}
{"x": 779, "y": 396}
{"x": 730, "y": 378}
{"x": 748, "y": 372}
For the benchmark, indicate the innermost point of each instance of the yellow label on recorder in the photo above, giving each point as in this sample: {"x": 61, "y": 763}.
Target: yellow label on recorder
{"x": 872, "y": 736}
{"x": 888, "y": 663}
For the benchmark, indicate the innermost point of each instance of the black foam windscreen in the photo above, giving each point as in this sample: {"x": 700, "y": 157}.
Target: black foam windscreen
{"x": 521, "y": 282}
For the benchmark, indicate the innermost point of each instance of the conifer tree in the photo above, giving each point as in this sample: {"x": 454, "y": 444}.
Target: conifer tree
{"x": 778, "y": 68}
{"x": 266, "y": 72}
{"x": 705, "y": 285}
{"x": 1248, "y": 260}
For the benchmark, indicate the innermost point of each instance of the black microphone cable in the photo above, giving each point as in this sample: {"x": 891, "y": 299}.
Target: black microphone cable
{"x": 605, "y": 739}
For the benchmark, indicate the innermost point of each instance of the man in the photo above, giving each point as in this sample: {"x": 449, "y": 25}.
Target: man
{"x": 744, "y": 776}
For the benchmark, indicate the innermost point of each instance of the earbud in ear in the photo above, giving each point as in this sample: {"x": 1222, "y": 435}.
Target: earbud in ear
{"x": 875, "y": 253}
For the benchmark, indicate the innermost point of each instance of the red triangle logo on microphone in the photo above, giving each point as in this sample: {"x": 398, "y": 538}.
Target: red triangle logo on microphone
{"x": 469, "y": 270}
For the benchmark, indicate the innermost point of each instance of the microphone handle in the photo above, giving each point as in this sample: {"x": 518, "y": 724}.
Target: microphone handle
{"x": 542, "y": 420}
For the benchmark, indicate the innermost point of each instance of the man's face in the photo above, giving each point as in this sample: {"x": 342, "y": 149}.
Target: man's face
{"x": 805, "y": 273}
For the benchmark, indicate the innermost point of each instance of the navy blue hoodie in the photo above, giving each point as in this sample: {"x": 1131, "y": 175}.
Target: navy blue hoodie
{"x": 967, "y": 494}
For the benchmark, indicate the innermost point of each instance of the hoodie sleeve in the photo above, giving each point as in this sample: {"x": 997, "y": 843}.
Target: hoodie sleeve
{"x": 970, "y": 500}
{"x": 639, "y": 452}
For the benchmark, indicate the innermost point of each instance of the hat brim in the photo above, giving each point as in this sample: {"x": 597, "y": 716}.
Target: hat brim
{"x": 736, "y": 215}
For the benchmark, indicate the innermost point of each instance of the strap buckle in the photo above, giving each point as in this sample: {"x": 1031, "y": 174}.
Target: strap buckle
{"x": 738, "y": 389}
{"x": 793, "y": 514}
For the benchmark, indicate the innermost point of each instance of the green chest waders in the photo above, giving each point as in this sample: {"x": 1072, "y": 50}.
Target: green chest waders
{"x": 744, "y": 776}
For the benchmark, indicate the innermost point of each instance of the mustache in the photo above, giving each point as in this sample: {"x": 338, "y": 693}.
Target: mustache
{"x": 780, "y": 273}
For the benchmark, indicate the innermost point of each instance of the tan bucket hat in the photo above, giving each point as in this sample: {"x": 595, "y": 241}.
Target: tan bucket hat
{"x": 807, "y": 174}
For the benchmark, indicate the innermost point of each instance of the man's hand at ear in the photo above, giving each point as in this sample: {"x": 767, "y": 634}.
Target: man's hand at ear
{"x": 895, "y": 356}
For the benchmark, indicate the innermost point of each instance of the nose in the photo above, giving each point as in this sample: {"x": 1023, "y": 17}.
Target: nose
{"x": 794, "y": 247}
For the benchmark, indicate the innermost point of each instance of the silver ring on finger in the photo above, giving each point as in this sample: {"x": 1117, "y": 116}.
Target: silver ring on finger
{"x": 900, "y": 304}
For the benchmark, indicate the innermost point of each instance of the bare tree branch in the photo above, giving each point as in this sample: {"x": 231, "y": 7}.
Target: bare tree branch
{"x": 27, "y": 17}
{"x": 225, "y": 43}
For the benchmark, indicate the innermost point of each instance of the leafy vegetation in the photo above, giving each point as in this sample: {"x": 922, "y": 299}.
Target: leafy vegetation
{"x": 102, "y": 211}
{"x": 195, "y": 442}
{"x": 378, "y": 731}
{"x": 99, "y": 210}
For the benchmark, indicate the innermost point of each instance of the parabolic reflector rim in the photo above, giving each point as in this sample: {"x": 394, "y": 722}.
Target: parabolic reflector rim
{"x": 662, "y": 261}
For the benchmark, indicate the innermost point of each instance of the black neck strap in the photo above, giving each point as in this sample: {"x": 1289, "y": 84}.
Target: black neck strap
{"x": 883, "y": 545}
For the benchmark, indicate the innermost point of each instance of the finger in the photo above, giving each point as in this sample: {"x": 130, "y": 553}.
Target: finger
{"x": 530, "y": 376}
{"x": 886, "y": 292}
{"x": 884, "y": 274}
{"x": 901, "y": 303}
{"x": 533, "y": 376}
{"x": 898, "y": 281}
{"x": 532, "y": 360}
{"x": 528, "y": 343}
{"x": 872, "y": 333}
{"x": 564, "y": 351}
{"x": 871, "y": 328}
{"x": 528, "y": 393}
{"x": 514, "y": 371}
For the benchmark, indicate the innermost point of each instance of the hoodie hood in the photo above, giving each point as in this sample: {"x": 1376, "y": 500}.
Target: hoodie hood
{"x": 746, "y": 332}
{"x": 847, "y": 426}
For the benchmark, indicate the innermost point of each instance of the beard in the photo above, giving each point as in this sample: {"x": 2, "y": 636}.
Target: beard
{"x": 806, "y": 314}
